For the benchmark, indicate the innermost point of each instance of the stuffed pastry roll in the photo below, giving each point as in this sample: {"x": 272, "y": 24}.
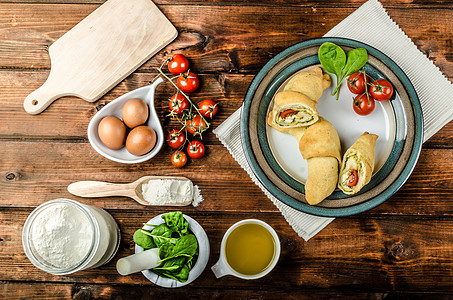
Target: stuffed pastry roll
{"x": 320, "y": 146}
{"x": 310, "y": 83}
{"x": 292, "y": 109}
{"x": 358, "y": 164}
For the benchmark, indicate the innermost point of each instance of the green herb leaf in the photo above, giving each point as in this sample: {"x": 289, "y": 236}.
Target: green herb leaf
{"x": 165, "y": 250}
{"x": 183, "y": 274}
{"x": 178, "y": 248}
{"x": 176, "y": 222}
{"x": 143, "y": 240}
{"x": 332, "y": 58}
{"x": 186, "y": 246}
{"x": 357, "y": 58}
{"x": 174, "y": 264}
{"x": 160, "y": 240}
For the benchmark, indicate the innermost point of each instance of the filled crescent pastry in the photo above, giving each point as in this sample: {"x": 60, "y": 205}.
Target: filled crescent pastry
{"x": 295, "y": 106}
{"x": 310, "y": 83}
{"x": 320, "y": 146}
{"x": 292, "y": 109}
{"x": 358, "y": 164}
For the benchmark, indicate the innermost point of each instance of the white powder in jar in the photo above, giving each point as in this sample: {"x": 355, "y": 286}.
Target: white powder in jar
{"x": 62, "y": 235}
{"x": 163, "y": 191}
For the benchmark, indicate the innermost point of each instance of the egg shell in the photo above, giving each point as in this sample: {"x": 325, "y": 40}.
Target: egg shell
{"x": 141, "y": 140}
{"x": 135, "y": 112}
{"x": 112, "y": 132}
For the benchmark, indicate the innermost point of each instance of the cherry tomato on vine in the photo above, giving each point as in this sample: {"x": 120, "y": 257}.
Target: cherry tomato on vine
{"x": 208, "y": 108}
{"x": 188, "y": 82}
{"x": 196, "y": 149}
{"x": 179, "y": 159}
{"x": 176, "y": 138}
{"x": 356, "y": 82}
{"x": 196, "y": 125}
{"x": 178, "y": 64}
{"x": 363, "y": 104}
{"x": 381, "y": 90}
{"x": 178, "y": 103}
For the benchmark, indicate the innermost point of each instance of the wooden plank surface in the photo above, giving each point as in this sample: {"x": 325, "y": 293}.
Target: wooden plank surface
{"x": 351, "y": 253}
{"x": 400, "y": 249}
{"x": 223, "y": 46}
{"x": 39, "y": 171}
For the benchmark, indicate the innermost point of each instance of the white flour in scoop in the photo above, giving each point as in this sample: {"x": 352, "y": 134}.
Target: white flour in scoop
{"x": 163, "y": 191}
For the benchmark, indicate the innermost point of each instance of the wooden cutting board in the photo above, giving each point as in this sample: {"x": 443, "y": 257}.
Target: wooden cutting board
{"x": 100, "y": 51}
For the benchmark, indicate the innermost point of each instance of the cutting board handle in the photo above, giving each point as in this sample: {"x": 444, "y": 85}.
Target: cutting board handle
{"x": 41, "y": 98}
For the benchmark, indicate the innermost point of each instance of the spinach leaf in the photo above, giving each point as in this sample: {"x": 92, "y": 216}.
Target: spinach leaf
{"x": 178, "y": 248}
{"x": 176, "y": 222}
{"x": 183, "y": 274}
{"x": 186, "y": 246}
{"x": 160, "y": 240}
{"x": 143, "y": 240}
{"x": 332, "y": 58}
{"x": 174, "y": 264}
{"x": 162, "y": 230}
{"x": 180, "y": 274}
{"x": 165, "y": 250}
{"x": 357, "y": 58}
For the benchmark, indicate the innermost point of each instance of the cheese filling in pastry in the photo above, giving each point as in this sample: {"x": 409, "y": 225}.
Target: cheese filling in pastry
{"x": 295, "y": 116}
{"x": 292, "y": 109}
{"x": 358, "y": 164}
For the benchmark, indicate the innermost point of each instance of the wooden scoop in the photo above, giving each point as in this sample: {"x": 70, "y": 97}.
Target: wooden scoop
{"x": 132, "y": 190}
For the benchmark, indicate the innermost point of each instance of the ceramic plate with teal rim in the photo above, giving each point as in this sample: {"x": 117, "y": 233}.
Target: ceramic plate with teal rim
{"x": 275, "y": 158}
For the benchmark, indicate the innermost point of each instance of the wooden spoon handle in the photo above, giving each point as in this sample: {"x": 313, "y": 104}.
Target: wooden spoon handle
{"x": 100, "y": 189}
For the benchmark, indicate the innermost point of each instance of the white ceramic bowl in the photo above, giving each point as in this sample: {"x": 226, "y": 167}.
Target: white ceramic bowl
{"x": 198, "y": 267}
{"x": 114, "y": 108}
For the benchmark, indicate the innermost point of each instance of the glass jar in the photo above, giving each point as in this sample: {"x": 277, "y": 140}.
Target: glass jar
{"x": 63, "y": 236}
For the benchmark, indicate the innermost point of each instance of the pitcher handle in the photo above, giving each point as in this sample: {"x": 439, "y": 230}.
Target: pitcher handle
{"x": 221, "y": 268}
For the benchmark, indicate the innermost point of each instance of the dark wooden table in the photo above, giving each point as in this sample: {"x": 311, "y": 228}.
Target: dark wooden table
{"x": 403, "y": 247}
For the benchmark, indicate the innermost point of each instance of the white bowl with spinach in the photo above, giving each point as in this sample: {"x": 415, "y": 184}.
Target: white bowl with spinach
{"x": 183, "y": 248}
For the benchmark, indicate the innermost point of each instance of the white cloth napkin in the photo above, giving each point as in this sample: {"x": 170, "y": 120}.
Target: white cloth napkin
{"x": 435, "y": 96}
{"x": 434, "y": 90}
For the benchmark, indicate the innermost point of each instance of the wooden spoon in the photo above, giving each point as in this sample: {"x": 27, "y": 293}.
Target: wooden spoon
{"x": 132, "y": 190}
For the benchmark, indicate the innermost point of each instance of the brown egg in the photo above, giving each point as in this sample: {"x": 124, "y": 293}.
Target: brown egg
{"x": 135, "y": 112}
{"x": 112, "y": 132}
{"x": 141, "y": 140}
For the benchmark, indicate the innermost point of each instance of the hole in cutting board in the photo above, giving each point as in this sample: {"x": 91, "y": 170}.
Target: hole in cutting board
{"x": 34, "y": 102}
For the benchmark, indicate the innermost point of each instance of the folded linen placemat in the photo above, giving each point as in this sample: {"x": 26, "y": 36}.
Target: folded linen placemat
{"x": 435, "y": 96}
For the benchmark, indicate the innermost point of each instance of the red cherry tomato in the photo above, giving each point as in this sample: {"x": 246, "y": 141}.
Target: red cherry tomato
{"x": 287, "y": 113}
{"x": 179, "y": 159}
{"x": 363, "y": 105}
{"x": 196, "y": 125}
{"x": 178, "y": 64}
{"x": 188, "y": 82}
{"x": 208, "y": 108}
{"x": 196, "y": 149}
{"x": 353, "y": 178}
{"x": 381, "y": 90}
{"x": 356, "y": 82}
{"x": 176, "y": 138}
{"x": 178, "y": 103}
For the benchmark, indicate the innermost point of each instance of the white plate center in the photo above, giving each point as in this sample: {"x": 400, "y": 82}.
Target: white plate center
{"x": 349, "y": 126}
